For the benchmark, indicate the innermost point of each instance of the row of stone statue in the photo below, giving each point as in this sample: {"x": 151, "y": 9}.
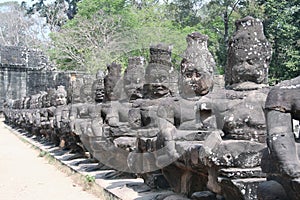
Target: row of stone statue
{"x": 175, "y": 129}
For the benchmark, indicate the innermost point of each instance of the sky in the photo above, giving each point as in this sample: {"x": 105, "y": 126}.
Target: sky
{"x": 20, "y": 1}
{"x": 2, "y": 1}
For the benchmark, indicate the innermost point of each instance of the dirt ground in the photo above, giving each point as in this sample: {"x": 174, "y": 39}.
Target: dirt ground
{"x": 24, "y": 175}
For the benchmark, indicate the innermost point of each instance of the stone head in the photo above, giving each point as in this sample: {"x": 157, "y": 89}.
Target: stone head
{"x": 34, "y": 101}
{"x": 23, "y": 103}
{"x": 17, "y": 103}
{"x": 60, "y": 96}
{"x": 86, "y": 95}
{"x": 47, "y": 99}
{"x": 113, "y": 76}
{"x": 160, "y": 76}
{"x": 249, "y": 53}
{"x": 41, "y": 98}
{"x": 75, "y": 90}
{"x": 134, "y": 78}
{"x": 196, "y": 68}
{"x": 27, "y": 102}
{"x": 98, "y": 90}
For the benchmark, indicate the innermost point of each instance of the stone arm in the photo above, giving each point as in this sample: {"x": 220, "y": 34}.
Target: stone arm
{"x": 113, "y": 116}
{"x": 281, "y": 141}
{"x": 283, "y": 105}
{"x": 37, "y": 117}
{"x": 166, "y": 110}
{"x": 73, "y": 116}
{"x": 51, "y": 117}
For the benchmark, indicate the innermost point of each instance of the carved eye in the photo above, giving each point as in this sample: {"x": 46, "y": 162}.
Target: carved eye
{"x": 198, "y": 75}
{"x": 249, "y": 61}
{"x": 189, "y": 74}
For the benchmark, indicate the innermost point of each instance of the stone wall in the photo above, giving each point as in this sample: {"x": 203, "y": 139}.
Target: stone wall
{"x": 25, "y": 72}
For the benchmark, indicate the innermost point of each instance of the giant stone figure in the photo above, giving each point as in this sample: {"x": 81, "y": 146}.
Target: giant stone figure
{"x": 180, "y": 122}
{"x": 249, "y": 55}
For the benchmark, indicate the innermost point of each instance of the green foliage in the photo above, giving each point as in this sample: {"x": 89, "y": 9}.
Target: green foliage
{"x": 90, "y": 179}
{"x": 43, "y": 154}
{"x": 218, "y": 20}
{"x": 185, "y": 12}
{"x": 87, "y": 8}
{"x": 123, "y": 28}
{"x": 90, "y": 42}
{"x": 89, "y": 45}
{"x": 282, "y": 30}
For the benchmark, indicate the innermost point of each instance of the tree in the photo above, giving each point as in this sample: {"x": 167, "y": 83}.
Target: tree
{"x": 282, "y": 29}
{"x": 89, "y": 45}
{"x": 219, "y": 18}
{"x": 17, "y": 29}
{"x": 91, "y": 41}
{"x": 56, "y": 13}
{"x": 185, "y": 12}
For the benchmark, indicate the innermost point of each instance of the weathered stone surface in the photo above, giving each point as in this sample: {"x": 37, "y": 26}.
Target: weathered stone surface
{"x": 234, "y": 173}
{"x": 239, "y": 114}
{"x": 237, "y": 153}
{"x": 175, "y": 131}
{"x": 110, "y": 82}
{"x": 271, "y": 190}
{"x": 134, "y": 78}
{"x": 176, "y": 197}
{"x": 240, "y": 188}
{"x": 204, "y": 195}
{"x": 285, "y": 97}
{"x": 281, "y": 162}
{"x": 197, "y": 66}
{"x": 161, "y": 77}
{"x": 249, "y": 55}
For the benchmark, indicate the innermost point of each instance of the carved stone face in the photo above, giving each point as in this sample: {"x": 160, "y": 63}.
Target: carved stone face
{"x": 133, "y": 86}
{"x": 34, "y": 102}
{"x": 194, "y": 82}
{"x": 196, "y": 67}
{"x": 60, "y": 99}
{"x": 86, "y": 94}
{"x": 47, "y": 99}
{"x": 157, "y": 82}
{"x": 76, "y": 90}
{"x": 249, "y": 53}
{"x": 98, "y": 90}
{"x": 134, "y": 78}
{"x": 249, "y": 69}
{"x": 60, "y": 96}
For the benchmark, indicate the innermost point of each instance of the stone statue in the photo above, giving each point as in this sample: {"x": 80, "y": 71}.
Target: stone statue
{"x": 239, "y": 114}
{"x": 110, "y": 81}
{"x": 181, "y": 119}
{"x": 47, "y": 114}
{"x": 61, "y": 115}
{"x": 282, "y": 163}
{"x": 120, "y": 138}
{"x": 89, "y": 120}
{"x": 249, "y": 55}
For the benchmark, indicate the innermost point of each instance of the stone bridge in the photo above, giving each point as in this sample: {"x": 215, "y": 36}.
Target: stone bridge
{"x": 174, "y": 129}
